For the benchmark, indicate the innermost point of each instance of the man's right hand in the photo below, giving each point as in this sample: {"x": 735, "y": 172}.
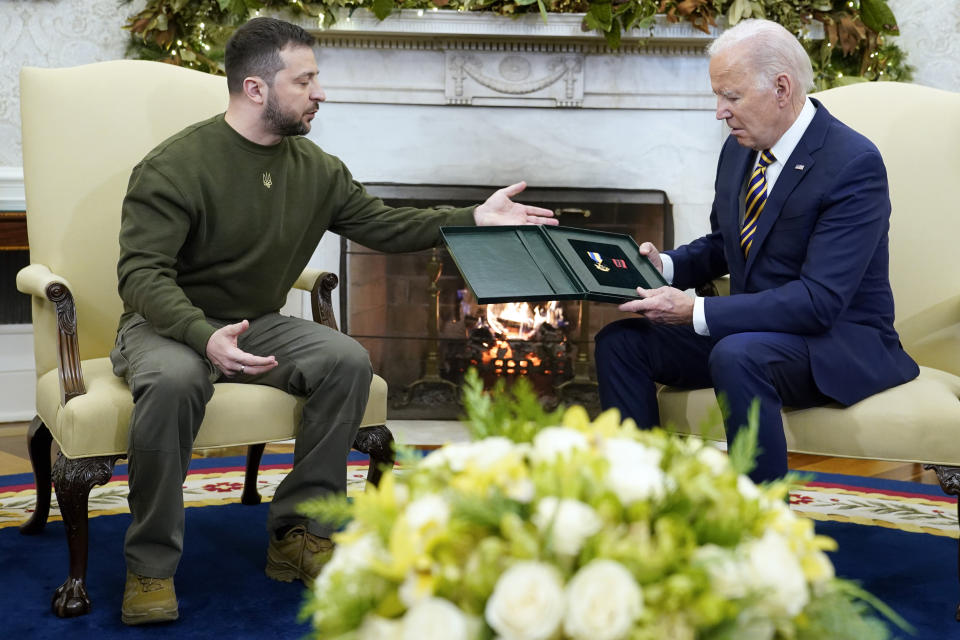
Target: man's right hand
{"x": 222, "y": 350}
{"x": 647, "y": 249}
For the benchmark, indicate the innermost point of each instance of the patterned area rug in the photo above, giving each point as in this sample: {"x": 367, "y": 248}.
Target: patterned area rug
{"x": 211, "y": 481}
{"x": 894, "y": 539}
{"x": 904, "y": 506}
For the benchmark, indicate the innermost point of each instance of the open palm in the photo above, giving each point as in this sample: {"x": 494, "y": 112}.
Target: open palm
{"x": 499, "y": 209}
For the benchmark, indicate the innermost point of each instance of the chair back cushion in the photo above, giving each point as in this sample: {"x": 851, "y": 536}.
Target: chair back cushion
{"x": 84, "y": 129}
{"x": 917, "y": 130}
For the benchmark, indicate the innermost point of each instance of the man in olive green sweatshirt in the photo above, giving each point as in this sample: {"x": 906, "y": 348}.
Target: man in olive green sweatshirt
{"x": 218, "y": 222}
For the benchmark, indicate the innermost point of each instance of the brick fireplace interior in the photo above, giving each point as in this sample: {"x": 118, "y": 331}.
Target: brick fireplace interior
{"x": 416, "y": 317}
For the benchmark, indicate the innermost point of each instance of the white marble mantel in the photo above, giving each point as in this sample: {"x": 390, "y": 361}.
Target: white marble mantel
{"x": 463, "y": 58}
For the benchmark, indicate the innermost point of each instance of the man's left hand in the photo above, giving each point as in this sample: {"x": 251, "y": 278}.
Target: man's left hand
{"x": 664, "y": 305}
{"x": 499, "y": 209}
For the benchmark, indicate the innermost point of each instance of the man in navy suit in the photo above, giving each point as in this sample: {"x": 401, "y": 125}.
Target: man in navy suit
{"x": 799, "y": 222}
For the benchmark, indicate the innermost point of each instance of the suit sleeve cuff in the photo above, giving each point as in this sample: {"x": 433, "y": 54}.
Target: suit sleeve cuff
{"x": 700, "y": 317}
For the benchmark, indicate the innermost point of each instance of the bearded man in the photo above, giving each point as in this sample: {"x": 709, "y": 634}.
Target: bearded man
{"x": 218, "y": 222}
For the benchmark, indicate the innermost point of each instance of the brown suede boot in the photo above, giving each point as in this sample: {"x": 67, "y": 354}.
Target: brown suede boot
{"x": 148, "y": 600}
{"x": 297, "y": 555}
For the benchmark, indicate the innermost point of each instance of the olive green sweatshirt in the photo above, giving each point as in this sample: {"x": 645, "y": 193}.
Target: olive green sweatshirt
{"x": 216, "y": 226}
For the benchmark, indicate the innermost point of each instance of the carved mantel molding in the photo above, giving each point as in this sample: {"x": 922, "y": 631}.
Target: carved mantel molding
{"x": 469, "y": 58}
{"x": 475, "y": 24}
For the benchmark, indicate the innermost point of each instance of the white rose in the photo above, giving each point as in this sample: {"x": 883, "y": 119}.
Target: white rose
{"x": 713, "y": 459}
{"x": 489, "y": 451}
{"x": 527, "y": 602}
{"x": 376, "y": 628}
{"x": 627, "y": 451}
{"x": 522, "y": 490}
{"x": 569, "y": 522}
{"x": 430, "y": 510}
{"x": 727, "y": 571}
{"x": 747, "y": 488}
{"x": 603, "y": 601}
{"x": 435, "y": 619}
{"x": 555, "y": 442}
{"x": 482, "y": 454}
{"x": 634, "y": 472}
{"x": 774, "y": 572}
{"x": 454, "y": 456}
{"x": 349, "y": 558}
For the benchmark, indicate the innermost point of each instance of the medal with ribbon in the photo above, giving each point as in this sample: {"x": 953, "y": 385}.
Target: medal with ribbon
{"x": 598, "y": 261}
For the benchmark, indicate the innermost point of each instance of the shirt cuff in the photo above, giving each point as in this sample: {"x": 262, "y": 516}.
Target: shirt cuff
{"x": 667, "y": 262}
{"x": 700, "y": 317}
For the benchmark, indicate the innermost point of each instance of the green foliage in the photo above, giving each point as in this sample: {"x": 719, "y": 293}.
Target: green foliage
{"x": 744, "y": 450}
{"x": 513, "y": 413}
{"x": 192, "y": 33}
{"x": 333, "y": 509}
{"x": 844, "y": 612}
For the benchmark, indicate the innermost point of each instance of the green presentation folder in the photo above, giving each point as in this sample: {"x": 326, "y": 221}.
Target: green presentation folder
{"x": 537, "y": 263}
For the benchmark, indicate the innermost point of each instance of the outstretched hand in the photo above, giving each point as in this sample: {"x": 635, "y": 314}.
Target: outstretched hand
{"x": 664, "y": 305}
{"x": 222, "y": 350}
{"x": 499, "y": 209}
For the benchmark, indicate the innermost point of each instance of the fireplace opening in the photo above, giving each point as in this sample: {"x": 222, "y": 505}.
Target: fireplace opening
{"x": 423, "y": 328}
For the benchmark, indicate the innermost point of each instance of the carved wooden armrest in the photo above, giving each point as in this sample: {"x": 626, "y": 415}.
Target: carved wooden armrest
{"x": 320, "y": 284}
{"x": 37, "y": 280}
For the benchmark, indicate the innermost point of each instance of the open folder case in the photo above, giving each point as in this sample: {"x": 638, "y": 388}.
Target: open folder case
{"x": 535, "y": 263}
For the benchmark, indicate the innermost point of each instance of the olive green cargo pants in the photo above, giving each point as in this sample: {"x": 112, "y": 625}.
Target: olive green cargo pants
{"x": 171, "y": 386}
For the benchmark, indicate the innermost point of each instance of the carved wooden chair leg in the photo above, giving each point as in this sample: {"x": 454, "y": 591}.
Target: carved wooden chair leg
{"x": 377, "y": 442}
{"x": 73, "y": 480}
{"x": 949, "y": 478}
{"x": 250, "y": 494}
{"x": 39, "y": 442}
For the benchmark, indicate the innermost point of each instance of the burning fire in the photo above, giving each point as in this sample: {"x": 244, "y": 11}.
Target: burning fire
{"x": 516, "y": 321}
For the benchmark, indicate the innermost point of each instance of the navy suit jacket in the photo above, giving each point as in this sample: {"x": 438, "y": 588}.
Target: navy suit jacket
{"x": 819, "y": 262}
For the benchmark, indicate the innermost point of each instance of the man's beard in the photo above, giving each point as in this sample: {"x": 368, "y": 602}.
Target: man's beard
{"x": 283, "y": 123}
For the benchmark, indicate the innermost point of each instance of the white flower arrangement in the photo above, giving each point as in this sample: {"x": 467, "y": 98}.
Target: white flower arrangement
{"x": 555, "y": 527}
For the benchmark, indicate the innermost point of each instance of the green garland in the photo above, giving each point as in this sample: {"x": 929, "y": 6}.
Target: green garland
{"x": 192, "y": 32}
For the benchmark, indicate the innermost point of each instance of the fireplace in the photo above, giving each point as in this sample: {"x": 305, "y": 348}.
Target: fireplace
{"x": 423, "y": 329}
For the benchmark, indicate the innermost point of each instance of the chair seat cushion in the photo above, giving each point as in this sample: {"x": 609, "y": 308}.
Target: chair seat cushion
{"x": 96, "y": 424}
{"x": 892, "y": 425}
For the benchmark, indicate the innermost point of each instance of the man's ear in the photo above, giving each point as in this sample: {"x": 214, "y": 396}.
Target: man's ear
{"x": 783, "y": 87}
{"x": 255, "y": 89}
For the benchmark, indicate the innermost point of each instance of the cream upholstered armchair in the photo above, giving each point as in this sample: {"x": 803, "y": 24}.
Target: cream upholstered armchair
{"x": 917, "y": 130}
{"x": 84, "y": 129}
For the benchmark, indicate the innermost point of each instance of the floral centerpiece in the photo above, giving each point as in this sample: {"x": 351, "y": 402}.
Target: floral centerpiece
{"x": 551, "y": 526}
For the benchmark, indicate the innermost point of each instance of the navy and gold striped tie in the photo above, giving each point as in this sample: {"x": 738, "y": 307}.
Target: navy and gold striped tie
{"x": 756, "y": 198}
